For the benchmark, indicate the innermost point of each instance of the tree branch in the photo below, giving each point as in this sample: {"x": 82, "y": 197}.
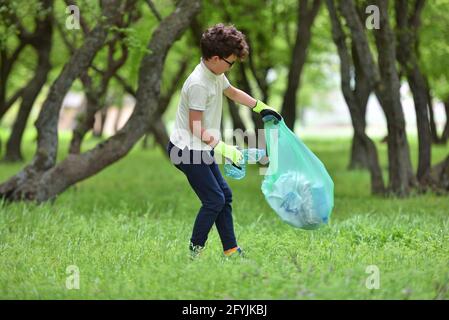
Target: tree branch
{"x": 154, "y": 10}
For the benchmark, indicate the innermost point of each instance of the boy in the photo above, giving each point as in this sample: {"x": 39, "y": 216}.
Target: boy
{"x": 197, "y": 133}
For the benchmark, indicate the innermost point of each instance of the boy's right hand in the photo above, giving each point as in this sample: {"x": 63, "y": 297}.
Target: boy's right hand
{"x": 228, "y": 151}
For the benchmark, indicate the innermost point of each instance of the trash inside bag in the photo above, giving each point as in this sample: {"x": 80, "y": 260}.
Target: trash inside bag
{"x": 296, "y": 185}
{"x": 251, "y": 155}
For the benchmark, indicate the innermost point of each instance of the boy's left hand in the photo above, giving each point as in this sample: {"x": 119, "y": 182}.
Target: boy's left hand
{"x": 260, "y": 106}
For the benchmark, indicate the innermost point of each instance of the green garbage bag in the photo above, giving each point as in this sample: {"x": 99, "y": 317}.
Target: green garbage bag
{"x": 296, "y": 184}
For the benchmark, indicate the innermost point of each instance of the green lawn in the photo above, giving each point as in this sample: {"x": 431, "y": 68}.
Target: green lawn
{"x": 127, "y": 230}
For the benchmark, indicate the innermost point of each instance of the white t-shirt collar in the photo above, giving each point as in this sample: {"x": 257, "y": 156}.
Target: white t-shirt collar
{"x": 208, "y": 72}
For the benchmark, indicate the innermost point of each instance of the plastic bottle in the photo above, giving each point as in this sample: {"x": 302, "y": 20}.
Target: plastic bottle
{"x": 251, "y": 155}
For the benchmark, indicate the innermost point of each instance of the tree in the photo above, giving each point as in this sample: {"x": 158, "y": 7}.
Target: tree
{"x": 42, "y": 179}
{"x": 433, "y": 50}
{"x": 356, "y": 98}
{"x": 10, "y": 26}
{"x": 41, "y": 41}
{"x": 307, "y": 11}
{"x": 408, "y": 19}
{"x": 96, "y": 93}
{"x": 385, "y": 81}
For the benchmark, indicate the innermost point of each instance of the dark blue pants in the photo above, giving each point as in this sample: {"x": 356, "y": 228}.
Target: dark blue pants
{"x": 212, "y": 189}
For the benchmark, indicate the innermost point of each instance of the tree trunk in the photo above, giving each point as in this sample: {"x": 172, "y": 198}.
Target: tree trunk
{"x": 9, "y": 17}
{"x": 101, "y": 115}
{"x": 359, "y": 156}
{"x": 362, "y": 91}
{"x": 353, "y": 101}
{"x": 243, "y": 84}
{"x": 400, "y": 167}
{"x": 386, "y": 84}
{"x": 42, "y": 42}
{"x": 439, "y": 176}
{"x": 13, "y": 147}
{"x": 433, "y": 127}
{"x": 160, "y": 133}
{"x": 407, "y": 34}
{"x": 46, "y": 182}
{"x": 6, "y": 64}
{"x": 234, "y": 112}
{"x": 306, "y": 16}
{"x": 240, "y": 131}
{"x": 418, "y": 88}
{"x": 260, "y": 77}
{"x": 117, "y": 119}
{"x": 157, "y": 126}
{"x": 445, "y": 134}
{"x": 85, "y": 122}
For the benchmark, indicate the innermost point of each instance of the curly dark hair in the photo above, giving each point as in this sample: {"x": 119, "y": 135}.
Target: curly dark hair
{"x": 222, "y": 41}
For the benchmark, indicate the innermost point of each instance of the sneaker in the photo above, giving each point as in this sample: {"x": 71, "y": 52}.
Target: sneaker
{"x": 236, "y": 251}
{"x": 195, "y": 250}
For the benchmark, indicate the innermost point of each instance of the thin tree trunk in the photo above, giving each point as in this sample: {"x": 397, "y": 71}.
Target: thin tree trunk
{"x": 160, "y": 133}
{"x": 157, "y": 126}
{"x": 445, "y": 134}
{"x": 117, "y": 119}
{"x": 306, "y": 16}
{"x": 418, "y": 88}
{"x": 439, "y": 176}
{"x": 260, "y": 77}
{"x": 433, "y": 127}
{"x": 42, "y": 42}
{"x": 6, "y": 64}
{"x": 362, "y": 91}
{"x": 85, "y": 122}
{"x": 102, "y": 113}
{"x": 243, "y": 83}
{"x": 98, "y": 94}
{"x": 386, "y": 84}
{"x": 400, "y": 168}
{"x": 13, "y": 147}
{"x": 407, "y": 34}
{"x": 9, "y": 17}
{"x": 353, "y": 102}
{"x": 234, "y": 112}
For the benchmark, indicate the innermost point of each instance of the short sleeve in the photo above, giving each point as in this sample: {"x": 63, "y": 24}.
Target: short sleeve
{"x": 226, "y": 83}
{"x": 197, "y": 96}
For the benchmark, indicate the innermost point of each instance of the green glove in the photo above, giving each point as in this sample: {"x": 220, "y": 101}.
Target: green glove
{"x": 264, "y": 110}
{"x": 228, "y": 151}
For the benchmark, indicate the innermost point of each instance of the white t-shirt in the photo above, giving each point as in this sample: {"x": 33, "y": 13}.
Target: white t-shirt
{"x": 203, "y": 90}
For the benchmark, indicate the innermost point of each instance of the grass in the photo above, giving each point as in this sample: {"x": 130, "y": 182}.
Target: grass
{"x": 127, "y": 231}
